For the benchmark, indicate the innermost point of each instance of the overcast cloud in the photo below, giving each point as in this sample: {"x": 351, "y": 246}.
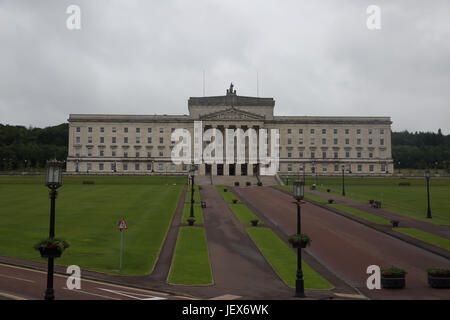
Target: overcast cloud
{"x": 148, "y": 57}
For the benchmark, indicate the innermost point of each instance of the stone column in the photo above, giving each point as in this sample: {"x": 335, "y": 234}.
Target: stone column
{"x": 202, "y": 169}
{"x": 214, "y": 169}
{"x": 226, "y": 168}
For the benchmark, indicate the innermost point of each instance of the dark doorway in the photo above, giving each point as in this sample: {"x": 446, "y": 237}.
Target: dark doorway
{"x": 243, "y": 169}
{"x": 232, "y": 170}
{"x": 208, "y": 169}
{"x": 255, "y": 169}
{"x": 220, "y": 169}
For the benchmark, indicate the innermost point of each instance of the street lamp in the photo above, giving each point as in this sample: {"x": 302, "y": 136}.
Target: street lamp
{"x": 192, "y": 173}
{"x": 53, "y": 180}
{"x": 427, "y": 176}
{"x": 343, "y": 182}
{"x": 299, "y": 193}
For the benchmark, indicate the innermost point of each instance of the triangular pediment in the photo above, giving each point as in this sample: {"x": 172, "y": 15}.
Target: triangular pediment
{"x": 232, "y": 114}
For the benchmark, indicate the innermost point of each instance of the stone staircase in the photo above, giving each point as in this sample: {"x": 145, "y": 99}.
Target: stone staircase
{"x": 230, "y": 180}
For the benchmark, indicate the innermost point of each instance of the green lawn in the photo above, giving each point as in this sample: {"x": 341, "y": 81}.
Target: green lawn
{"x": 426, "y": 237}
{"x": 227, "y": 196}
{"x": 190, "y": 264}
{"x": 361, "y": 214}
{"x": 196, "y": 195}
{"x": 198, "y": 213}
{"x": 87, "y": 216}
{"x": 243, "y": 213}
{"x": 284, "y": 261}
{"x": 409, "y": 200}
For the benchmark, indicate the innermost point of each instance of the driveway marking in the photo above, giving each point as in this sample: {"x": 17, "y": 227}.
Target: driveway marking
{"x": 15, "y": 278}
{"x": 133, "y": 295}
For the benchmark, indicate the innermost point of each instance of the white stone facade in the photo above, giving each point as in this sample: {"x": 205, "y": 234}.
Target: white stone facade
{"x": 133, "y": 144}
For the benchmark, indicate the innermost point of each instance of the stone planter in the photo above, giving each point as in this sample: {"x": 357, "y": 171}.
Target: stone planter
{"x": 330, "y": 201}
{"x": 395, "y": 223}
{"x": 191, "y": 222}
{"x": 235, "y": 201}
{"x": 254, "y": 223}
{"x": 439, "y": 281}
{"x": 50, "y": 252}
{"x": 299, "y": 245}
{"x": 394, "y": 281}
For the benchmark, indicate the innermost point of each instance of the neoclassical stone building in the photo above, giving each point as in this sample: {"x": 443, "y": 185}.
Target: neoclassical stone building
{"x": 141, "y": 144}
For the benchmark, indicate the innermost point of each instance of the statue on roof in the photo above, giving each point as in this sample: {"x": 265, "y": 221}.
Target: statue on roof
{"x": 230, "y": 91}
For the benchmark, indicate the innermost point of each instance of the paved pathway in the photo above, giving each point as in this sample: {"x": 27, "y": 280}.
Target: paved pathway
{"x": 347, "y": 247}
{"x": 405, "y": 221}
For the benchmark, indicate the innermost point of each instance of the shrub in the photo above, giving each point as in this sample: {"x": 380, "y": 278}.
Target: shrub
{"x": 60, "y": 244}
{"x": 392, "y": 271}
{"x": 439, "y": 272}
{"x": 299, "y": 238}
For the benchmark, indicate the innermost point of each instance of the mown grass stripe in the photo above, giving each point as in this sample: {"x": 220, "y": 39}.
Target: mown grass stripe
{"x": 426, "y": 237}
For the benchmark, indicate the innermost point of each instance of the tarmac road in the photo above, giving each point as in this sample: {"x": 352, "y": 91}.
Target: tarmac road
{"x": 20, "y": 283}
{"x": 347, "y": 248}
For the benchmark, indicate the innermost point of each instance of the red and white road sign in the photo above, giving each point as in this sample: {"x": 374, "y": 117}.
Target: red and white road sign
{"x": 122, "y": 224}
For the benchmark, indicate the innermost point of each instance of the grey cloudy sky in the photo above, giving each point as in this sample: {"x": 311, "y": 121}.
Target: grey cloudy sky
{"x": 148, "y": 57}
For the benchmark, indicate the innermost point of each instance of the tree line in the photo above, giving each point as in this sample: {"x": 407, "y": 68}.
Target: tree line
{"x": 27, "y": 148}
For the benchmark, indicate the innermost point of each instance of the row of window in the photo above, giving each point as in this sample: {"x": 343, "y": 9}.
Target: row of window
{"x": 335, "y": 131}
{"x": 114, "y": 140}
{"x": 101, "y": 153}
{"x": 126, "y": 167}
{"x": 312, "y": 141}
{"x": 301, "y": 154}
{"x": 348, "y": 168}
{"x": 125, "y": 130}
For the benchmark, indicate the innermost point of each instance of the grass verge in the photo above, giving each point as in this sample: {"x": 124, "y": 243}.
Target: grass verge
{"x": 426, "y": 237}
{"x": 243, "y": 213}
{"x": 190, "y": 264}
{"x": 284, "y": 261}
{"x": 198, "y": 213}
{"x": 361, "y": 214}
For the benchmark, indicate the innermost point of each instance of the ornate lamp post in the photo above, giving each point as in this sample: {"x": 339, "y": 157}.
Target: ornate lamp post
{"x": 299, "y": 193}
{"x": 343, "y": 183}
{"x": 192, "y": 174}
{"x": 427, "y": 176}
{"x": 53, "y": 180}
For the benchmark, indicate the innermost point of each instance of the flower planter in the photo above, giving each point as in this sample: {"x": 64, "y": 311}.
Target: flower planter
{"x": 299, "y": 245}
{"x": 330, "y": 200}
{"x": 393, "y": 281}
{"x": 328, "y": 190}
{"x": 47, "y": 252}
{"x": 260, "y": 184}
{"x": 234, "y": 201}
{"x": 254, "y": 223}
{"x": 439, "y": 281}
{"x": 191, "y": 222}
{"x": 395, "y": 223}
{"x": 371, "y": 201}
{"x": 225, "y": 190}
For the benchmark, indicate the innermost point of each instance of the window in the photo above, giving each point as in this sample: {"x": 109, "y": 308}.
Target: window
{"x": 383, "y": 168}
{"x": 125, "y": 154}
{"x": 381, "y": 131}
{"x": 336, "y": 167}
{"x": 289, "y": 131}
{"x": 359, "y": 167}
{"x": 149, "y": 167}
{"x": 113, "y": 166}
{"x": 89, "y": 166}
{"x": 335, "y": 131}
{"x": 371, "y": 155}
{"x": 289, "y": 154}
{"x": 161, "y": 130}
{"x": 347, "y": 141}
{"x": 371, "y": 168}
{"x": 161, "y": 140}
{"x": 102, "y": 129}
{"x": 358, "y": 131}
{"x": 125, "y": 130}
{"x": 172, "y": 167}
{"x": 113, "y": 139}
{"x": 138, "y": 130}
{"x": 300, "y": 131}
{"x": 370, "y": 141}
{"x": 136, "y": 167}
{"x": 161, "y": 168}
{"x": 324, "y": 168}
{"x": 358, "y": 154}
{"x": 289, "y": 167}
{"x": 335, "y": 141}
{"x": 89, "y": 139}
{"x": 313, "y": 155}
{"x": 324, "y": 141}
{"x": 78, "y": 129}
{"x": 138, "y": 154}
{"x": 90, "y": 129}
{"x": 381, "y": 142}
{"x": 125, "y": 140}
{"x": 347, "y": 131}
{"x": 149, "y": 154}
{"x": 149, "y": 140}
{"x": 172, "y": 130}
{"x": 77, "y": 139}
{"x": 312, "y": 141}
{"x": 102, "y": 139}
{"x": 324, "y": 154}
{"x": 102, "y": 153}
{"x": 77, "y": 153}
{"x": 101, "y": 166}
{"x": 184, "y": 167}
{"x": 113, "y": 129}
{"x": 358, "y": 141}
{"x": 125, "y": 166}
{"x": 300, "y": 141}
{"x": 336, "y": 155}
{"x": 324, "y": 131}
{"x": 138, "y": 140}
{"x": 312, "y": 131}
{"x": 300, "y": 154}
{"x": 161, "y": 154}
{"x": 289, "y": 141}
{"x": 347, "y": 154}
{"x": 370, "y": 131}
{"x": 113, "y": 153}
{"x": 149, "y": 130}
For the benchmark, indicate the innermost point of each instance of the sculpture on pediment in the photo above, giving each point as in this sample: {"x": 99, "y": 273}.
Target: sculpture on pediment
{"x": 231, "y": 91}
